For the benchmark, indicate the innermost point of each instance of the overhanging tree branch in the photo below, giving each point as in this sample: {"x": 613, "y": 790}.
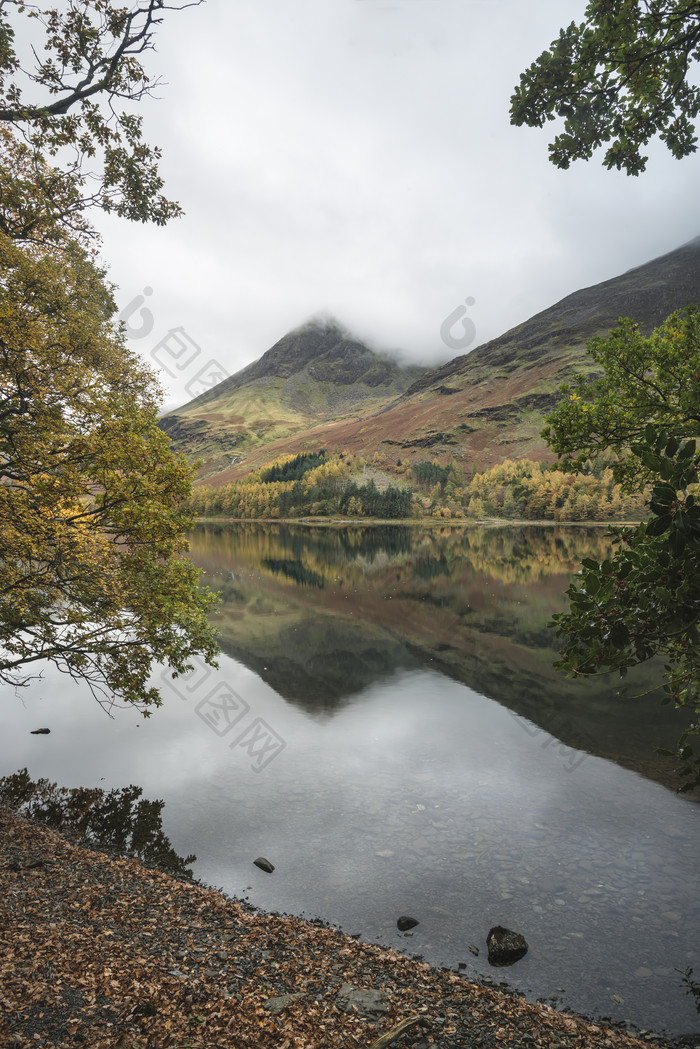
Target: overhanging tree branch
{"x": 93, "y": 70}
{"x": 621, "y": 76}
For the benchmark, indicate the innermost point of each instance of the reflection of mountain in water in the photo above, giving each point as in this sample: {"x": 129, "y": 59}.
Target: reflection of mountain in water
{"x": 320, "y": 664}
{"x": 322, "y": 613}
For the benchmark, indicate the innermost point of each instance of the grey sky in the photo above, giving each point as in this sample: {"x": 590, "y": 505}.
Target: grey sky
{"x": 355, "y": 157}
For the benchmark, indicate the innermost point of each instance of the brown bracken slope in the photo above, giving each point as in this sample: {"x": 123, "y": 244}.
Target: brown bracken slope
{"x": 490, "y": 404}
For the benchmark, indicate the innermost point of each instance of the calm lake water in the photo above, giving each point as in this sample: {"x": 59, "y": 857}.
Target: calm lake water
{"x": 387, "y": 729}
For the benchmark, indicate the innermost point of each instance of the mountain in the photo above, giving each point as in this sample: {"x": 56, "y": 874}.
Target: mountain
{"x": 647, "y": 293}
{"x": 316, "y": 372}
{"x": 480, "y": 408}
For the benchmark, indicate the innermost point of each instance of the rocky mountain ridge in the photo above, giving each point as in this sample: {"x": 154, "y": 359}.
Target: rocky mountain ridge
{"x": 647, "y": 293}
{"x": 320, "y": 387}
{"x": 316, "y": 372}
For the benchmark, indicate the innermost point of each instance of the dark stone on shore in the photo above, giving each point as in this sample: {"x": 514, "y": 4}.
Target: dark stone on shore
{"x": 505, "y": 946}
{"x": 365, "y": 1001}
{"x": 27, "y": 865}
{"x": 404, "y": 923}
{"x": 264, "y": 864}
{"x": 279, "y": 1004}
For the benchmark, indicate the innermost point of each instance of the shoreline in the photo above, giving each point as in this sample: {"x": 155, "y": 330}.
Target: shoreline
{"x": 413, "y": 522}
{"x": 102, "y": 951}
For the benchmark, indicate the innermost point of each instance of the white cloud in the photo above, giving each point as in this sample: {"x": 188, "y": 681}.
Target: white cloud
{"x": 356, "y": 157}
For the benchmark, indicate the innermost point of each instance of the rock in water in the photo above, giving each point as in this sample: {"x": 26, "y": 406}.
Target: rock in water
{"x": 40, "y": 732}
{"x": 404, "y": 923}
{"x": 505, "y": 946}
{"x": 264, "y": 864}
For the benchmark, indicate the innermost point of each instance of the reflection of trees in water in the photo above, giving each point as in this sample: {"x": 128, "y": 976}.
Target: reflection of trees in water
{"x": 294, "y": 570}
{"x": 391, "y": 540}
{"x": 118, "y": 820}
{"x": 430, "y": 567}
{"x": 512, "y": 554}
{"x": 529, "y": 553}
{"x": 471, "y": 603}
{"x": 330, "y": 544}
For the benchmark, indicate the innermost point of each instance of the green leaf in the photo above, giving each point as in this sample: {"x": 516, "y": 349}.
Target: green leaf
{"x": 650, "y": 460}
{"x": 664, "y": 493}
{"x": 661, "y": 441}
{"x": 676, "y": 543}
{"x": 619, "y": 635}
{"x": 658, "y": 525}
{"x": 592, "y": 585}
{"x": 666, "y": 469}
{"x": 588, "y": 562}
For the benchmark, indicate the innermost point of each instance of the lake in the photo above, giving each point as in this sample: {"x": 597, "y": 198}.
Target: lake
{"x": 386, "y": 728}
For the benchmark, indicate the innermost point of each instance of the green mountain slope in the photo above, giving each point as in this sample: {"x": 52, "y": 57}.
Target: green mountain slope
{"x": 316, "y": 372}
{"x": 481, "y": 408}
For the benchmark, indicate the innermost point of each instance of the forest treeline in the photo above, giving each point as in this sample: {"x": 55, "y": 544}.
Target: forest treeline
{"x": 308, "y": 483}
{"x": 532, "y": 491}
{"x": 320, "y": 484}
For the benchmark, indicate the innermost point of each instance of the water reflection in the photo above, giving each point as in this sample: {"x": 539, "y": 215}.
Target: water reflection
{"x": 322, "y": 613}
{"x": 401, "y": 788}
{"x": 119, "y": 820}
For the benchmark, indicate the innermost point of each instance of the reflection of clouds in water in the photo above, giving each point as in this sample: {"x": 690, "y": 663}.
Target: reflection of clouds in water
{"x": 473, "y": 602}
{"x": 422, "y": 797}
{"x": 466, "y": 840}
{"x": 173, "y": 745}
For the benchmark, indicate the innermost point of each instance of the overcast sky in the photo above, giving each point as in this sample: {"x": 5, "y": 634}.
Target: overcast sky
{"x": 355, "y": 158}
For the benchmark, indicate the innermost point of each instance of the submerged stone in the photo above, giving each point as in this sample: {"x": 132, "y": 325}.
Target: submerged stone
{"x": 404, "y": 923}
{"x": 505, "y": 946}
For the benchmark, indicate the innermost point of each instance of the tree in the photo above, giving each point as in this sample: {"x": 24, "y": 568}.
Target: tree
{"x": 645, "y": 600}
{"x": 92, "y": 518}
{"x": 93, "y": 512}
{"x": 74, "y": 107}
{"x": 620, "y": 77}
{"x": 655, "y": 379}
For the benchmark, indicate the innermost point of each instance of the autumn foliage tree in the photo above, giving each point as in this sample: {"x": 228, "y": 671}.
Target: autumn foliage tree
{"x": 623, "y": 75}
{"x": 645, "y": 600}
{"x": 640, "y": 380}
{"x": 93, "y": 502}
{"x": 71, "y": 109}
{"x": 92, "y": 499}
